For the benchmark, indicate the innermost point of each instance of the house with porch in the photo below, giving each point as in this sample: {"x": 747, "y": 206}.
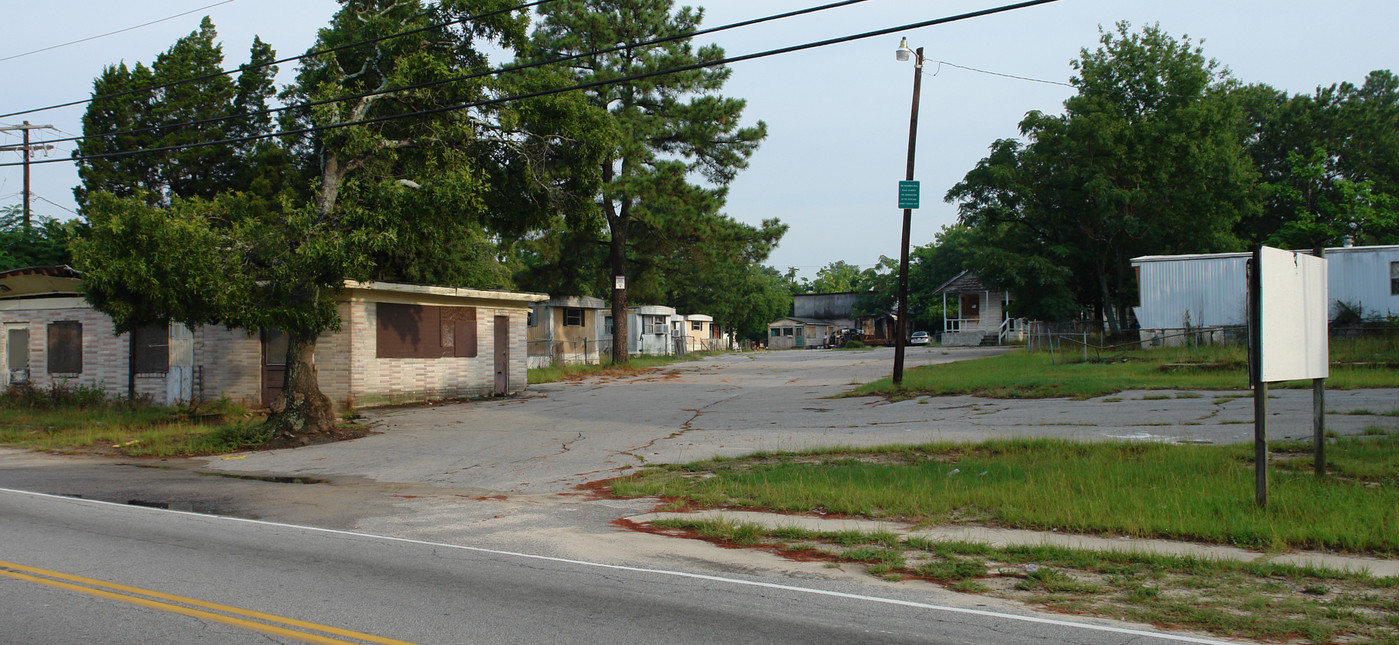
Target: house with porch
{"x": 981, "y": 313}
{"x": 397, "y": 343}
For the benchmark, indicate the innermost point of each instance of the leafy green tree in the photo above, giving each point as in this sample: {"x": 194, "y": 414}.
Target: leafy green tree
{"x": 669, "y": 128}
{"x": 842, "y": 277}
{"x": 1146, "y": 159}
{"x": 386, "y": 200}
{"x": 147, "y": 119}
{"x": 717, "y": 271}
{"x": 1328, "y": 163}
{"x": 43, "y": 243}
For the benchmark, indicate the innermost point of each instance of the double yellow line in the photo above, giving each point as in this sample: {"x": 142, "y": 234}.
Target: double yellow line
{"x": 261, "y": 622}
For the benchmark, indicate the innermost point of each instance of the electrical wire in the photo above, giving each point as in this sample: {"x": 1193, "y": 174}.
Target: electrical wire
{"x": 576, "y": 87}
{"x": 1271, "y": 99}
{"x": 51, "y": 202}
{"x": 467, "y": 77}
{"x": 309, "y": 54}
{"x": 113, "y": 33}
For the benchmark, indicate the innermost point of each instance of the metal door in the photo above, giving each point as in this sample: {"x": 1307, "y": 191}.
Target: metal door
{"x": 16, "y": 353}
{"x": 502, "y": 355}
{"x": 274, "y": 364}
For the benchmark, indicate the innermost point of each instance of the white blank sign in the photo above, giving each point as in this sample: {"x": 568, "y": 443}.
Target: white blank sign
{"x": 1294, "y": 311}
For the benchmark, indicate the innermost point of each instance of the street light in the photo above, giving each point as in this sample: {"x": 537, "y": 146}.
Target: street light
{"x": 901, "y": 325}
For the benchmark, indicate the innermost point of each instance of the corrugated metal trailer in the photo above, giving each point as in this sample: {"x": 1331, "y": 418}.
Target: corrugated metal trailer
{"x": 1192, "y": 291}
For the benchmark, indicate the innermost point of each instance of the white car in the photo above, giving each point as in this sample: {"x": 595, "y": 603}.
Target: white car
{"x": 919, "y": 338}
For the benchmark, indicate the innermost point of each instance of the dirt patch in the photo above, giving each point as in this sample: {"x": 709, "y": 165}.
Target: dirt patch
{"x": 347, "y": 432}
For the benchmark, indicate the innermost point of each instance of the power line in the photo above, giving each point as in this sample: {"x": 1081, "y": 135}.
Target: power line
{"x": 54, "y": 203}
{"x": 580, "y": 86}
{"x": 467, "y": 77}
{"x": 1227, "y": 97}
{"x": 112, "y": 33}
{"x": 309, "y": 54}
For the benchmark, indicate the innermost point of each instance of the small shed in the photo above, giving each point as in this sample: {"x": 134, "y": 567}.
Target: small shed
{"x": 981, "y": 312}
{"x": 568, "y": 330}
{"x": 795, "y": 333}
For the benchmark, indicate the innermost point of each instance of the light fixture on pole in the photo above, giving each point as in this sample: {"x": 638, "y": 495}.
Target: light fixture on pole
{"x": 901, "y": 325}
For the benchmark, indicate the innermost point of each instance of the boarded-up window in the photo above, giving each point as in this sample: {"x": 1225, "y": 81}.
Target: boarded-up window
{"x": 65, "y": 347}
{"x": 17, "y": 354}
{"x": 425, "y": 331}
{"x": 462, "y": 323}
{"x": 150, "y": 349}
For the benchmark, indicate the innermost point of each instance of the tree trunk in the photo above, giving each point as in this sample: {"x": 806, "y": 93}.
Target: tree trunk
{"x": 620, "y": 333}
{"x": 301, "y": 409}
{"x": 1114, "y": 328}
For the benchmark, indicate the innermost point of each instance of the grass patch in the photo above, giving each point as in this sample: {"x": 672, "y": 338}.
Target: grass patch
{"x": 1226, "y": 598}
{"x": 84, "y": 420}
{"x": 1147, "y": 490}
{"x": 637, "y": 366}
{"x": 1360, "y": 363}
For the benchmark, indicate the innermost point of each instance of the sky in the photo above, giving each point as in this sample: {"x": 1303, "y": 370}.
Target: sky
{"x": 837, "y": 116}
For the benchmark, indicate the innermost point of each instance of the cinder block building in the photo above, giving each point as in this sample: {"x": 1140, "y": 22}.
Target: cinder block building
{"x": 397, "y": 343}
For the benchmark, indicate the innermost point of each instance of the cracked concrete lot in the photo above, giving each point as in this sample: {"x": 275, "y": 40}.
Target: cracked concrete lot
{"x": 565, "y": 434}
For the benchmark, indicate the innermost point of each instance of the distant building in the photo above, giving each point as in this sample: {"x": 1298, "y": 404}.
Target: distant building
{"x": 1209, "y": 291}
{"x": 836, "y": 308}
{"x": 568, "y": 330}
{"x": 800, "y": 333}
{"x": 981, "y": 313}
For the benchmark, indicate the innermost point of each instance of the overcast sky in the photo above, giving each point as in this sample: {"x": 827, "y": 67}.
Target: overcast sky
{"x": 837, "y": 116}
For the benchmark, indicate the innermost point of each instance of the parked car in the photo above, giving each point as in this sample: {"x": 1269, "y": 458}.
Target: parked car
{"x": 919, "y": 338}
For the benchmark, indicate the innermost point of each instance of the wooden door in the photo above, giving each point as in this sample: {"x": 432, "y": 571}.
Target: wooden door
{"x": 502, "y": 355}
{"x": 971, "y": 307}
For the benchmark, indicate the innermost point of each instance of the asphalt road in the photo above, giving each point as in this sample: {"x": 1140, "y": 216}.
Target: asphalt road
{"x": 81, "y": 571}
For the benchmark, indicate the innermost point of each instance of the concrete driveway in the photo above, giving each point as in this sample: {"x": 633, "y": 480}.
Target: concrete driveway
{"x": 565, "y": 434}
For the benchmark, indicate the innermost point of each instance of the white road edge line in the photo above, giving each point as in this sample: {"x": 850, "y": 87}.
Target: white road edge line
{"x": 662, "y": 572}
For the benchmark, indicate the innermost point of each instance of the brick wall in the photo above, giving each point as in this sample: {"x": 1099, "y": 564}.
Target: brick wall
{"x": 105, "y": 356}
{"x": 377, "y": 381}
{"x": 230, "y": 362}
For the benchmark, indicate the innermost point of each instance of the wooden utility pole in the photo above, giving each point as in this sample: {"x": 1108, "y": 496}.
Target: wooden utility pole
{"x": 27, "y": 150}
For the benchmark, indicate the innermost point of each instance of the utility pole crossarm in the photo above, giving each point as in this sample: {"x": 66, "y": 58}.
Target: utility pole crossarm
{"x": 27, "y": 150}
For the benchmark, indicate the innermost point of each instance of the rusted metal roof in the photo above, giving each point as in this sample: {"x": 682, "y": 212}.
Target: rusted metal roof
{"x": 43, "y": 280}
{"x": 965, "y": 282}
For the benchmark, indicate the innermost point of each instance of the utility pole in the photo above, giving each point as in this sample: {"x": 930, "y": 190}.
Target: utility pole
{"x": 27, "y": 150}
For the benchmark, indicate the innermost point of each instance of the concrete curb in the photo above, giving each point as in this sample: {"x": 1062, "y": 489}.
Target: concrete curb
{"x": 1014, "y": 537}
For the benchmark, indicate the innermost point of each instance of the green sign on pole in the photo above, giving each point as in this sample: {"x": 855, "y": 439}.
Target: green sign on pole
{"x": 908, "y": 194}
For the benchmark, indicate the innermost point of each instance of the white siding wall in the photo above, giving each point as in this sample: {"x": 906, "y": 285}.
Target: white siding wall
{"x": 1212, "y": 289}
{"x": 1361, "y": 275}
{"x": 1208, "y": 291}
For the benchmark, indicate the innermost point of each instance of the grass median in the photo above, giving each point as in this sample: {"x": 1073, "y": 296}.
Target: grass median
{"x": 1148, "y": 490}
{"x": 1362, "y": 363}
